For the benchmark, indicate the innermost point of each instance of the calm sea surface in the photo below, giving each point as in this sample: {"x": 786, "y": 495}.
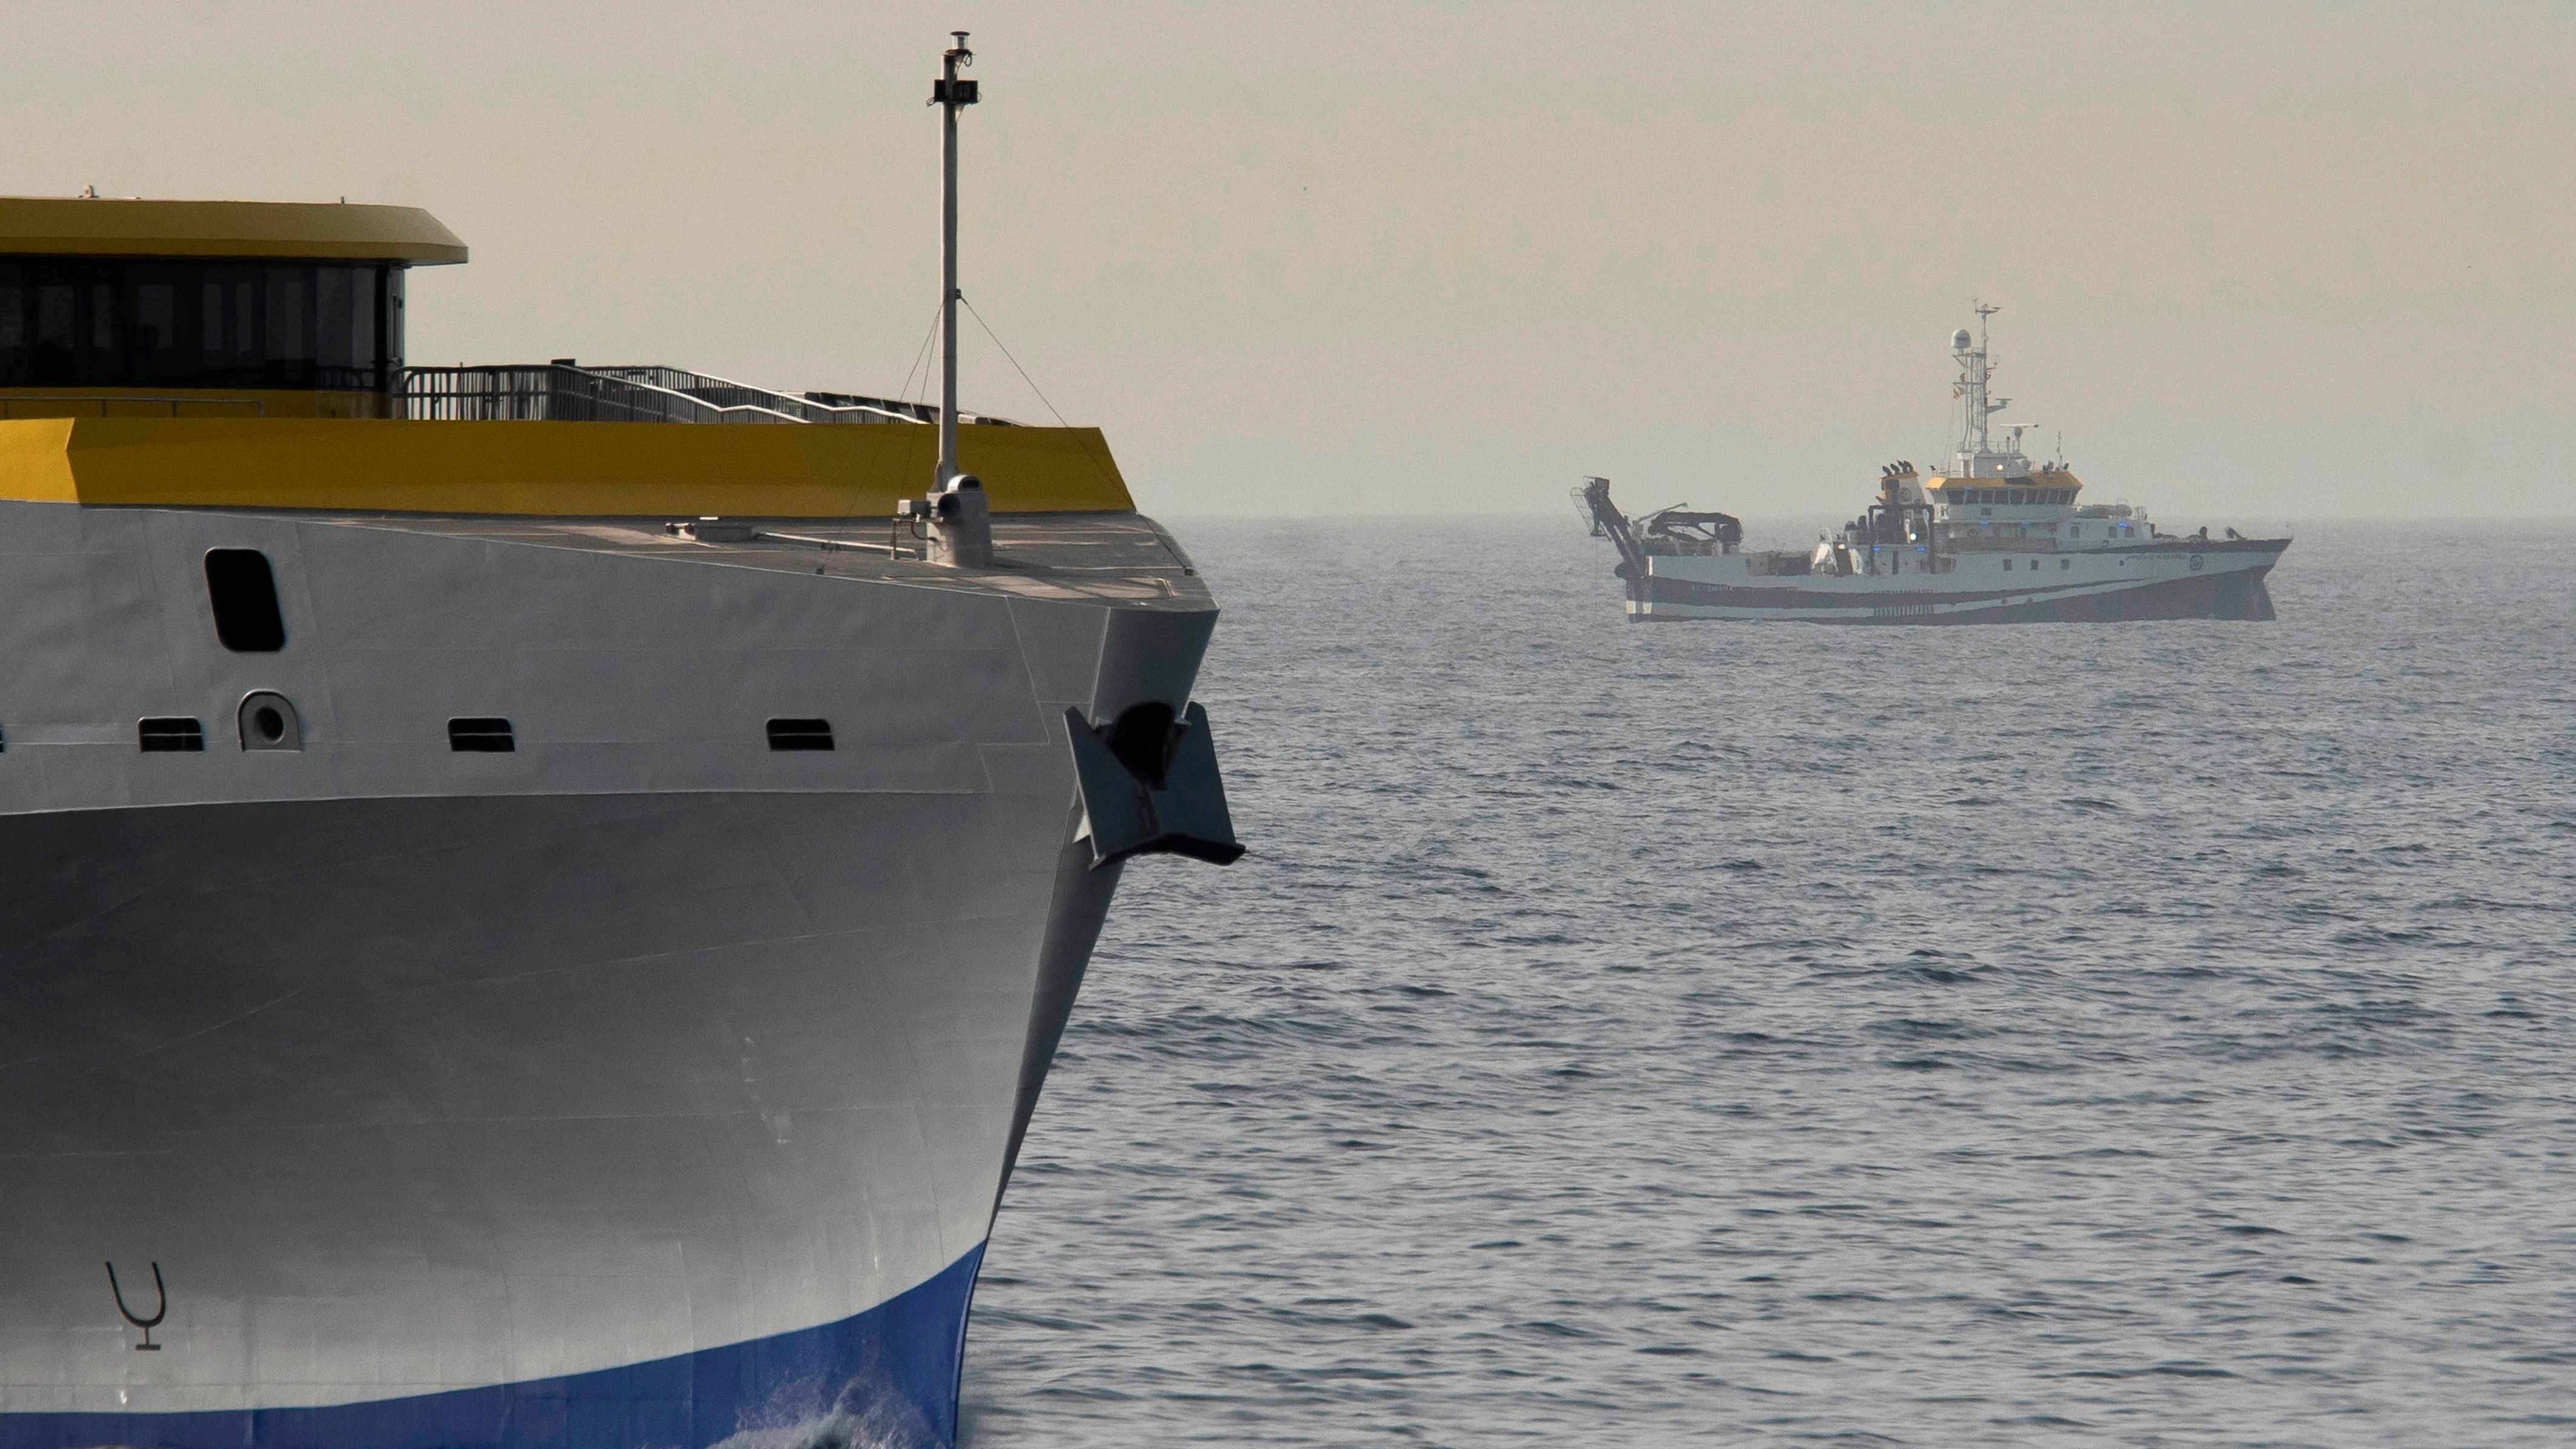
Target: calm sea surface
{"x": 1699, "y": 1033}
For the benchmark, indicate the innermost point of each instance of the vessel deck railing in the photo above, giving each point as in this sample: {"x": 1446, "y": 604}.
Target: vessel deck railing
{"x": 808, "y": 408}
{"x": 12, "y": 406}
{"x": 566, "y": 391}
{"x": 552, "y": 392}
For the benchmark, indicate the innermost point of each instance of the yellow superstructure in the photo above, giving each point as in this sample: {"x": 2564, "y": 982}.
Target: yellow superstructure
{"x": 679, "y": 470}
{"x": 242, "y": 354}
{"x": 305, "y": 231}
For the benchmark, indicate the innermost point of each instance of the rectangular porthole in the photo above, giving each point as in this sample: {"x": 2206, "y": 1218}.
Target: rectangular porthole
{"x": 244, "y": 593}
{"x": 800, "y": 734}
{"x": 172, "y": 734}
{"x": 481, "y": 736}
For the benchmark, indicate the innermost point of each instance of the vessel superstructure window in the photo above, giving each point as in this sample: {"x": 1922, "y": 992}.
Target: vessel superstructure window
{"x": 243, "y": 591}
{"x": 800, "y": 734}
{"x": 481, "y": 735}
{"x": 170, "y": 734}
{"x": 149, "y": 322}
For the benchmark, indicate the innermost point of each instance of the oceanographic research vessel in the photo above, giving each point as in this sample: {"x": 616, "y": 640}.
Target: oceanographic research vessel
{"x": 1993, "y": 541}
{"x": 537, "y": 911}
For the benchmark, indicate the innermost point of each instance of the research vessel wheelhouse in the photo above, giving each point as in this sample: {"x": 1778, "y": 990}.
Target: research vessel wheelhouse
{"x": 1995, "y": 540}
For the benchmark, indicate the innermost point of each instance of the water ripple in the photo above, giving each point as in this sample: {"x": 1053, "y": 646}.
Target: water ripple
{"x": 2143, "y": 1034}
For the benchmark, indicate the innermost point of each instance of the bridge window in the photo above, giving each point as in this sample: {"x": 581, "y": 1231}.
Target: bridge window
{"x": 103, "y": 322}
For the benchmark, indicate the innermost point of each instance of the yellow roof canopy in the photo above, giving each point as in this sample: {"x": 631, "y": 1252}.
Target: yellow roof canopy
{"x": 307, "y": 231}
{"x": 2060, "y": 478}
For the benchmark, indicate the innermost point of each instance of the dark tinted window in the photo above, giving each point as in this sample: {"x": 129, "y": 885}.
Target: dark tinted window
{"x": 174, "y": 733}
{"x": 481, "y": 736}
{"x": 800, "y": 734}
{"x": 244, "y": 594}
{"x": 145, "y": 322}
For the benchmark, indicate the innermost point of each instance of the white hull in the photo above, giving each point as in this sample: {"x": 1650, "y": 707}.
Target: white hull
{"x": 2174, "y": 579}
{"x": 640, "y": 1085}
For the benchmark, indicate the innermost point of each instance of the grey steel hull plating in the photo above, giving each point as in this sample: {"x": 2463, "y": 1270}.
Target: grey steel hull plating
{"x": 423, "y": 1075}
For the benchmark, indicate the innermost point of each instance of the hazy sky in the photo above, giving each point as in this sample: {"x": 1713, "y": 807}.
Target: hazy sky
{"x": 2265, "y": 262}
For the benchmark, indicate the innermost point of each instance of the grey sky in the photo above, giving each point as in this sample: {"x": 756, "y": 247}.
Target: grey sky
{"x": 2271, "y": 262}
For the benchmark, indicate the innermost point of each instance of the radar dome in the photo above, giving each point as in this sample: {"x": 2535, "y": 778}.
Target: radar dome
{"x": 1960, "y": 339}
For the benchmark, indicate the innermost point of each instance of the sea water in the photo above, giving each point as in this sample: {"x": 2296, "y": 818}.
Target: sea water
{"x": 1707, "y": 1033}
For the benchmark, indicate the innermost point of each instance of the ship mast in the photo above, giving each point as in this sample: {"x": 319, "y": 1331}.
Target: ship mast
{"x": 949, "y": 94}
{"x": 956, "y": 516}
{"x": 1976, "y": 445}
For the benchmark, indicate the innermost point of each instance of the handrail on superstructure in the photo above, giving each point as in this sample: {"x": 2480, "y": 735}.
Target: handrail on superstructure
{"x": 726, "y": 391}
{"x": 553, "y": 392}
{"x": 566, "y": 391}
{"x": 9, "y": 401}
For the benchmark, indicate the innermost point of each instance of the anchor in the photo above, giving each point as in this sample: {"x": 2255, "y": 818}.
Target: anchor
{"x": 146, "y": 1324}
{"x": 1150, "y": 785}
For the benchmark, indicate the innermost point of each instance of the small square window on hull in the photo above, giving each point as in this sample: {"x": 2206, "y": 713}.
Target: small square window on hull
{"x": 800, "y": 734}
{"x": 174, "y": 734}
{"x": 481, "y": 735}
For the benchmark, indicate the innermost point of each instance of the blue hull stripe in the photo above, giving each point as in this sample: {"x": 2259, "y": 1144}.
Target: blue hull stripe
{"x": 887, "y": 1376}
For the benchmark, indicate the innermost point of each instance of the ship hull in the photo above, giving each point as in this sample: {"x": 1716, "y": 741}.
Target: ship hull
{"x": 639, "y": 1086}
{"x": 437, "y": 1117}
{"x": 886, "y": 1377}
{"x": 2206, "y": 580}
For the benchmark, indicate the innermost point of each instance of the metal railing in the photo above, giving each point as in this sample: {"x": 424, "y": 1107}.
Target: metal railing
{"x": 565, "y": 391}
{"x": 808, "y": 408}
{"x": 555, "y": 392}
{"x": 53, "y": 405}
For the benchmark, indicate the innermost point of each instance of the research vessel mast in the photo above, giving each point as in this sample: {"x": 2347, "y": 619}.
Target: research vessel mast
{"x": 1978, "y": 457}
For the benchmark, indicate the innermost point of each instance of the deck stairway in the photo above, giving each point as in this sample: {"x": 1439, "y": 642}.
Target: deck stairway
{"x": 565, "y": 391}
